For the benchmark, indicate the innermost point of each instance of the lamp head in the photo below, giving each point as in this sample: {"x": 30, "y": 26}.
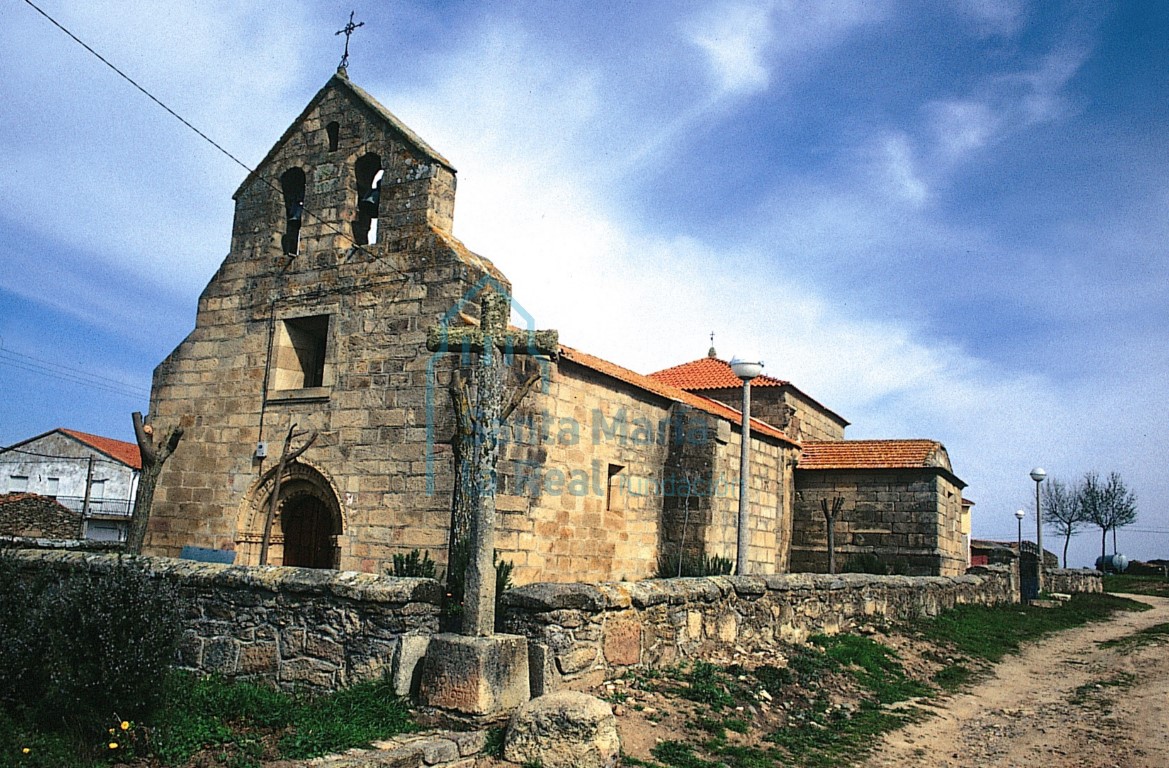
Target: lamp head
{"x": 747, "y": 367}
{"x": 1038, "y": 474}
{"x": 1020, "y": 514}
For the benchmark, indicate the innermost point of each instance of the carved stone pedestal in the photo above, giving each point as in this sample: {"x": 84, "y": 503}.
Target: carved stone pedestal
{"x": 484, "y": 677}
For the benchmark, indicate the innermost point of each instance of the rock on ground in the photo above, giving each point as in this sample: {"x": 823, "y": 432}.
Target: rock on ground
{"x": 564, "y": 729}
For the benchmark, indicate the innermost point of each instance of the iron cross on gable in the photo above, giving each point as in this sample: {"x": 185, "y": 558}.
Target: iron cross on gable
{"x": 347, "y": 30}
{"x": 495, "y": 343}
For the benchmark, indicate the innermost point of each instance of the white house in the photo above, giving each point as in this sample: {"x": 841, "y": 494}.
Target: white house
{"x": 94, "y": 475}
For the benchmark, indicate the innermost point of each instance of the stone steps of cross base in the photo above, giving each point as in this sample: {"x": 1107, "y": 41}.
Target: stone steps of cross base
{"x": 436, "y": 749}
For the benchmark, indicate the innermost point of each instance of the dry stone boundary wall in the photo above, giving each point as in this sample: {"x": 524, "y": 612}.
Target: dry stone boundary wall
{"x": 576, "y": 630}
{"x": 323, "y": 629}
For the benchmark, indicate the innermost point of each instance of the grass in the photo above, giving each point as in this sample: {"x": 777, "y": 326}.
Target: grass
{"x": 1097, "y": 691}
{"x": 988, "y": 633}
{"x": 239, "y": 724}
{"x": 1136, "y": 585}
{"x": 810, "y": 731}
{"x": 831, "y": 743}
{"x": 1157, "y": 633}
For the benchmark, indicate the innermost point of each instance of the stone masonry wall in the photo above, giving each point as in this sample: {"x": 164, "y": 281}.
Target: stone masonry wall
{"x": 576, "y": 497}
{"x": 1070, "y": 580}
{"x": 327, "y": 629}
{"x": 769, "y": 495}
{"x": 599, "y": 629}
{"x": 381, "y": 463}
{"x": 786, "y": 410}
{"x": 33, "y": 516}
{"x": 296, "y": 627}
{"x": 909, "y": 519}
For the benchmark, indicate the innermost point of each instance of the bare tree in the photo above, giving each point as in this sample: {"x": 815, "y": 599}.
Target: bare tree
{"x": 1121, "y": 504}
{"x": 1062, "y": 512}
{"x": 1106, "y": 504}
{"x": 830, "y": 521}
{"x": 154, "y": 455}
{"x": 287, "y": 456}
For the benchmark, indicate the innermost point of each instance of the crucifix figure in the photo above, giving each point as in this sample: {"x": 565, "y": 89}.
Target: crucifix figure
{"x": 494, "y": 343}
{"x": 347, "y": 31}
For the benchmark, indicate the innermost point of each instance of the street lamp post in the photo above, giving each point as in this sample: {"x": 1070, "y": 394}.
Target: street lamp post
{"x": 1019, "y": 515}
{"x": 1038, "y": 474}
{"x": 746, "y": 368}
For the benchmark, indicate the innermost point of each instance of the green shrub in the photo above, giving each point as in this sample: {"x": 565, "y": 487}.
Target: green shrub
{"x": 693, "y": 565}
{"x": 414, "y": 565}
{"x": 90, "y": 647}
{"x": 452, "y": 605}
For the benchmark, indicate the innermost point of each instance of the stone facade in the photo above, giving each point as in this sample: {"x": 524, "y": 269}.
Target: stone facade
{"x": 909, "y": 519}
{"x": 341, "y": 258}
{"x": 331, "y": 339}
{"x": 789, "y": 409}
{"x": 304, "y": 325}
{"x": 902, "y": 508}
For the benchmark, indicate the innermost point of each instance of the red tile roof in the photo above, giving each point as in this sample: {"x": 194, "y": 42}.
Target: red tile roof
{"x": 712, "y": 373}
{"x": 709, "y": 373}
{"x": 874, "y": 454}
{"x": 127, "y": 453}
{"x": 667, "y": 391}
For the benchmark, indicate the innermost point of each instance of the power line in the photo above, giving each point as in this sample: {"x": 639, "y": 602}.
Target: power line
{"x": 49, "y": 456}
{"x": 130, "y": 80}
{"x": 73, "y": 379}
{"x": 74, "y": 371}
{"x": 205, "y": 137}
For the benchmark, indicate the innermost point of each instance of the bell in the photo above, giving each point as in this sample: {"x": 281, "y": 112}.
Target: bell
{"x": 296, "y": 211}
{"x": 367, "y": 206}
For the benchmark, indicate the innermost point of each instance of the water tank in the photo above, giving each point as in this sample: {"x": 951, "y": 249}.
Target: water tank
{"x": 1112, "y": 563}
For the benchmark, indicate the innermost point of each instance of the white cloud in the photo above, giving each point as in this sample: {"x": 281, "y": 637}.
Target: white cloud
{"x": 900, "y": 168}
{"x": 993, "y": 17}
{"x": 734, "y": 38}
{"x": 960, "y": 127}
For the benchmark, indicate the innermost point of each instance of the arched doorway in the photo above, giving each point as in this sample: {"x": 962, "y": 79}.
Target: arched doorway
{"x": 309, "y": 532}
{"x": 308, "y": 522}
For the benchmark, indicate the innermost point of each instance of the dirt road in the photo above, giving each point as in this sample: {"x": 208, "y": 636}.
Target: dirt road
{"x": 1065, "y": 702}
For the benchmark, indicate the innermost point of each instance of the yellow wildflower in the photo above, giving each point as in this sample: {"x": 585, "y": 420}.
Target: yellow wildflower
{"x": 125, "y": 725}
{"x": 26, "y": 750}
{"x": 113, "y": 745}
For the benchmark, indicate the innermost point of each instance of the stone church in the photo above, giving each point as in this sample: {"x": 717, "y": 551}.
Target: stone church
{"x": 341, "y": 258}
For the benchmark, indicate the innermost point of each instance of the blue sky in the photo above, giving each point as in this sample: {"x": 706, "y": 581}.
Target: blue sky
{"x": 942, "y": 219}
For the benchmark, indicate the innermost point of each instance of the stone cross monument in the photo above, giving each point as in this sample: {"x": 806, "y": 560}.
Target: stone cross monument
{"x": 492, "y": 340}
{"x": 483, "y": 674}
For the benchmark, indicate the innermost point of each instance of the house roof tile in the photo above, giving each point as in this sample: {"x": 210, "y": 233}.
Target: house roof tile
{"x": 709, "y": 373}
{"x": 874, "y": 454}
{"x": 119, "y": 450}
{"x": 668, "y": 391}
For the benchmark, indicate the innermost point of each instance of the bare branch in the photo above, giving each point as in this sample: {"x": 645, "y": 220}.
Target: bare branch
{"x": 518, "y": 396}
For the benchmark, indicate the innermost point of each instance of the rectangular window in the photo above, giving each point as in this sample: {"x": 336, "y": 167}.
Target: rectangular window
{"x": 615, "y": 489}
{"x": 97, "y": 493}
{"x": 53, "y": 487}
{"x": 299, "y": 352}
{"x": 17, "y": 483}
